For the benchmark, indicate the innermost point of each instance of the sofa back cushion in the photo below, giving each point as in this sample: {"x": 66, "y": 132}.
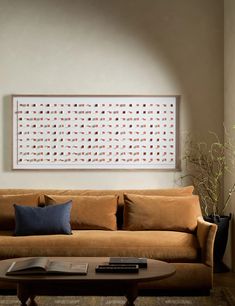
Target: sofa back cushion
{"x": 143, "y": 212}
{"x": 89, "y": 212}
{"x": 7, "y": 211}
{"x": 180, "y": 191}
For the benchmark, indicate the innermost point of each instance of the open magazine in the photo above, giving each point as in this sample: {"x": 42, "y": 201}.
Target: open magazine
{"x": 43, "y": 265}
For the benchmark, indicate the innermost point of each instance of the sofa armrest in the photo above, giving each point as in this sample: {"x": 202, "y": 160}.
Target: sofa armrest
{"x": 206, "y": 236}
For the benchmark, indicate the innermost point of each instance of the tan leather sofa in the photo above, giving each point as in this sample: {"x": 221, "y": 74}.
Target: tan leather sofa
{"x": 163, "y": 224}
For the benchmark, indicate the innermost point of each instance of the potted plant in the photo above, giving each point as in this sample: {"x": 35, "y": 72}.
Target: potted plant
{"x": 205, "y": 166}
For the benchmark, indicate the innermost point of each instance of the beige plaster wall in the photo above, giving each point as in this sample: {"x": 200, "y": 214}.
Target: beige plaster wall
{"x": 111, "y": 47}
{"x": 229, "y": 110}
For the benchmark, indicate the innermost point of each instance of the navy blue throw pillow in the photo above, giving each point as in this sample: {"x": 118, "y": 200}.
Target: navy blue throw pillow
{"x": 48, "y": 220}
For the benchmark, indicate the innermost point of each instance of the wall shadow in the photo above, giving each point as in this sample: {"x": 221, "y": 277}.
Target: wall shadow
{"x": 170, "y": 34}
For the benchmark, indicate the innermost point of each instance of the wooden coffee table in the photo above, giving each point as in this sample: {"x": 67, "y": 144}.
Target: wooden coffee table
{"x": 29, "y": 286}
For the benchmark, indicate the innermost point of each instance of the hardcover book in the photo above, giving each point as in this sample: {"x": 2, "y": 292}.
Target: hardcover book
{"x": 141, "y": 262}
{"x": 43, "y": 265}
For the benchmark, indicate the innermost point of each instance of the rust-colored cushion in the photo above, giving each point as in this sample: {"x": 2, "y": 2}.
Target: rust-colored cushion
{"x": 163, "y": 245}
{"x": 89, "y": 212}
{"x": 180, "y": 191}
{"x": 7, "y": 211}
{"x": 161, "y": 212}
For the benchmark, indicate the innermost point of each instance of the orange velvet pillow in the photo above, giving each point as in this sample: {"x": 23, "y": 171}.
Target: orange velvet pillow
{"x": 181, "y": 191}
{"x": 7, "y": 211}
{"x": 89, "y": 212}
{"x": 176, "y": 213}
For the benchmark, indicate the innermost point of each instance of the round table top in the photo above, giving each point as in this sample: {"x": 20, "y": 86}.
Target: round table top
{"x": 155, "y": 270}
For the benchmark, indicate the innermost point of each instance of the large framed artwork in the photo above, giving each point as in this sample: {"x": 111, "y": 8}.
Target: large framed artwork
{"x": 95, "y": 132}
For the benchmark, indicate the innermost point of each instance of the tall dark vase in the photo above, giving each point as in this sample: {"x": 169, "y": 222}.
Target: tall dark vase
{"x": 221, "y": 240}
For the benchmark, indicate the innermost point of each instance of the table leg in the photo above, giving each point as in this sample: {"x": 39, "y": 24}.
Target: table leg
{"x": 22, "y": 294}
{"x": 131, "y": 295}
{"x": 32, "y": 301}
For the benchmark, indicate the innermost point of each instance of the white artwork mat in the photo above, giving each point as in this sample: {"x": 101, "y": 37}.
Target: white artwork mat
{"x": 95, "y": 132}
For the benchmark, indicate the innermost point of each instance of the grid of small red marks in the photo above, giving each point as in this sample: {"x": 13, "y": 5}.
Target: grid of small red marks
{"x": 100, "y": 132}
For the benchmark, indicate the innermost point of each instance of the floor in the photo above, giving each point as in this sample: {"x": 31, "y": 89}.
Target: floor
{"x": 225, "y": 280}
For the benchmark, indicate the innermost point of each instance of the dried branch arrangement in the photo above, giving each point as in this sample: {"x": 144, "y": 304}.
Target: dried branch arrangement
{"x": 206, "y": 165}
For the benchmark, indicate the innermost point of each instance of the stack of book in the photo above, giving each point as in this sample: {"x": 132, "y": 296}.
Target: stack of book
{"x": 122, "y": 265}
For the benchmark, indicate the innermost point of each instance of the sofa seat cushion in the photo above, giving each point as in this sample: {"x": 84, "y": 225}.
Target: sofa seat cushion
{"x": 163, "y": 245}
